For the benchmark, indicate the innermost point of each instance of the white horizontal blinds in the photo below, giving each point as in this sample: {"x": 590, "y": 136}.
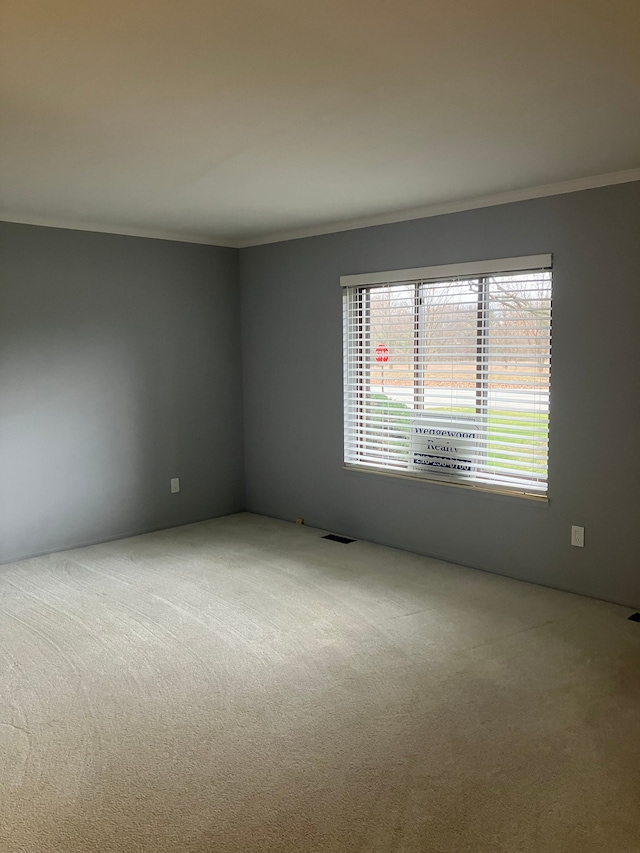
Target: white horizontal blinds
{"x": 463, "y": 391}
{"x": 377, "y": 425}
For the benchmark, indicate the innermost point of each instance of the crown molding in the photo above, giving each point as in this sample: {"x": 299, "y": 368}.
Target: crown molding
{"x": 125, "y": 231}
{"x": 574, "y": 185}
{"x": 492, "y": 200}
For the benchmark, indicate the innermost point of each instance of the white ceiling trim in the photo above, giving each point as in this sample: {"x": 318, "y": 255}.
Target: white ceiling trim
{"x": 492, "y": 200}
{"x": 125, "y": 231}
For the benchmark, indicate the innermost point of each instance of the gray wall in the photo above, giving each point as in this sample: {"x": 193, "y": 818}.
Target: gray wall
{"x": 119, "y": 369}
{"x": 292, "y": 362}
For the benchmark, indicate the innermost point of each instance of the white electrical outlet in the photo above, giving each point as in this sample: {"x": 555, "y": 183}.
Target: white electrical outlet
{"x": 175, "y": 485}
{"x": 577, "y": 536}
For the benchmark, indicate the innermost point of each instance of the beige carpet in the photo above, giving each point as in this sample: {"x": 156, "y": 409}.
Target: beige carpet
{"x": 245, "y": 685}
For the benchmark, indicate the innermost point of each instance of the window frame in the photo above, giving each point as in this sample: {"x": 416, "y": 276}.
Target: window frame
{"x": 360, "y": 285}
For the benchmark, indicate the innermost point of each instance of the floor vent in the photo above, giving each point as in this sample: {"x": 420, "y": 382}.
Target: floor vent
{"x": 635, "y": 617}
{"x": 341, "y": 539}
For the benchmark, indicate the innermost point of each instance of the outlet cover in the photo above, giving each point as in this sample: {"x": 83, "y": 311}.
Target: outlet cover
{"x": 577, "y": 536}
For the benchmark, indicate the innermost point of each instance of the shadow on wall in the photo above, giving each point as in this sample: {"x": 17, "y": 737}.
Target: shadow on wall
{"x": 110, "y": 385}
{"x": 74, "y": 442}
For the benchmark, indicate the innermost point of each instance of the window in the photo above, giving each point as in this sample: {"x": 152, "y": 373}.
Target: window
{"x": 446, "y": 373}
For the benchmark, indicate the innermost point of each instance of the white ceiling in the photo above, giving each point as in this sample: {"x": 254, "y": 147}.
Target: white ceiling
{"x": 239, "y": 121}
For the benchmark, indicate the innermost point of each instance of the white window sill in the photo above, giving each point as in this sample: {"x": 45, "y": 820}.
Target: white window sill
{"x": 482, "y": 489}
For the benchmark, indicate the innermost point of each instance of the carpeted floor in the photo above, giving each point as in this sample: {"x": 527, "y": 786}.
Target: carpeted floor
{"x": 245, "y": 685}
